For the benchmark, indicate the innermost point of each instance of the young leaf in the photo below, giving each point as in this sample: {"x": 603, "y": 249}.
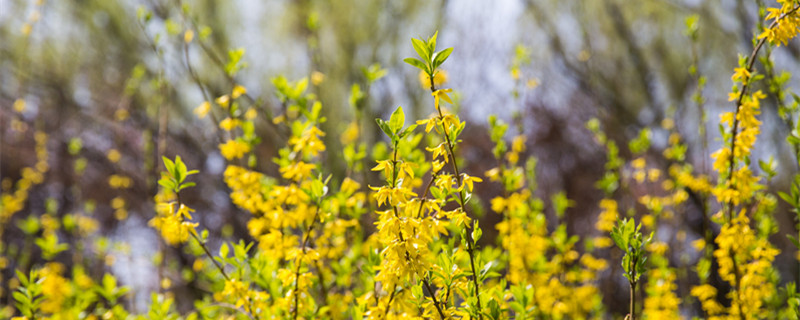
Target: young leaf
{"x": 440, "y": 57}
{"x": 169, "y": 165}
{"x": 385, "y": 127}
{"x": 432, "y": 42}
{"x": 408, "y": 130}
{"x": 421, "y": 49}
{"x": 416, "y": 63}
{"x": 397, "y": 120}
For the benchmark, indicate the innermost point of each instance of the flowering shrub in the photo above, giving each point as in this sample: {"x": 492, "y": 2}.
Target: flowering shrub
{"x": 411, "y": 245}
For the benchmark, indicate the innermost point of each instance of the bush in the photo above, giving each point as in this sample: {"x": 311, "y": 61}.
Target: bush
{"x": 399, "y": 233}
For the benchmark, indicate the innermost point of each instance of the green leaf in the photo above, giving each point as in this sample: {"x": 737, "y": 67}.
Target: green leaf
{"x": 397, "y": 120}
{"x": 23, "y": 279}
{"x": 476, "y": 235}
{"x": 561, "y": 203}
{"x": 356, "y": 94}
{"x": 224, "y": 250}
{"x": 440, "y": 57}
{"x": 617, "y": 234}
{"x": 408, "y": 130}
{"x": 432, "y": 42}
{"x": 180, "y": 169}
{"x": 787, "y": 198}
{"x": 317, "y": 189}
{"x": 187, "y": 185}
{"x": 794, "y": 240}
{"x": 109, "y": 282}
{"x": 626, "y": 263}
{"x": 422, "y": 49}
{"x": 169, "y": 165}
{"x": 416, "y": 63}
{"x": 385, "y": 127}
{"x": 167, "y": 184}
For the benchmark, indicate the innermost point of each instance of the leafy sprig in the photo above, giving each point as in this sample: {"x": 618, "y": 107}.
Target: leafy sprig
{"x": 394, "y": 127}
{"x": 430, "y": 59}
{"x": 175, "y": 176}
{"x": 628, "y": 237}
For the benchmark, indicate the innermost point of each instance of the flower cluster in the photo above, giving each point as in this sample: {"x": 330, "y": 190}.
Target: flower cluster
{"x": 786, "y": 23}
{"x": 550, "y": 262}
{"x": 396, "y": 233}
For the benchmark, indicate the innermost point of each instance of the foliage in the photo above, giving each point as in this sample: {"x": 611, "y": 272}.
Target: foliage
{"x": 410, "y": 229}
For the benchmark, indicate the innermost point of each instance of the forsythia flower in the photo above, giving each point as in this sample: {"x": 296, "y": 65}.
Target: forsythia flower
{"x": 55, "y": 288}
{"x": 608, "y": 216}
{"x": 308, "y": 143}
{"x": 438, "y": 79}
{"x": 229, "y": 124}
{"x": 173, "y": 223}
{"x": 787, "y": 23}
{"x": 223, "y": 101}
{"x": 202, "y": 110}
{"x": 297, "y": 171}
{"x": 113, "y": 155}
{"x": 19, "y": 105}
{"x": 234, "y": 149}
{"x": 741, "y": 74}
{"x": 237, "y": 91}
{"x": 441, "y": 94}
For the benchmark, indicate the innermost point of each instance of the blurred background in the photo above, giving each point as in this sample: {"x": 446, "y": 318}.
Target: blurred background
{"x": 113, "y": 85}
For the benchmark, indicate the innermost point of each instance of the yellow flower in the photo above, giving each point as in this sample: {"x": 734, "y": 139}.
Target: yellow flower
{"x": 441, "y": 94}
{"x": 740, "y": 74}
{"x": 119, "y": 181}
{"x": 238, "y": 91}
{"x": 229, "y": 124}
{"x": 166, "y": 283}
{"x": 350, "y": 186}
{"x": 117, "y": 202}
{"x": 518, "y": 144}
{"x": 438, "y": 79}
{"x": 653, "y": 174}
{"x": 121, "y": 114}
{"x": 234, "y": 149}
{"x": 350, "y": 134}
{"x": 317, "y": 78}
{"x": 429, "y": 124}
{"x": 188, "y": 36}
{"x": 468, "y": 181}
{"x": 26, "y": 29}
{"x": 787, "y": 23}
{"x": 202, "y": 110}
{"x": 297, "y": 171}
{"x": 498, "y": 204}
{"x": 308, "y": 142}
{"x": 386, "y": 166}
{"x": 532, "y": 83}
{"x": 113, "y": 155}
{"x": 172, "y": 224}
{"x": 638, "y": 163}
{"x": 603, "y": 242}
{"x": 223, "y": 101}
{"x": 593, "y": 263}
{"x": 440, "y": 150}
{"x": 19, "y": 105}
{"x": 251, "y": 114}
{"x": 699, "y": 244}
{"x": 608, "y": 216}
{"x": 55, "y": 288}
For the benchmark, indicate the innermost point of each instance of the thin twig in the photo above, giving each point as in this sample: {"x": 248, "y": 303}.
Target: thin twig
{"x": 470, "y": 228}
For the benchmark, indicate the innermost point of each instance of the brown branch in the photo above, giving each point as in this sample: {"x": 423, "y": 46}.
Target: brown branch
{"x": 469, "y": 228}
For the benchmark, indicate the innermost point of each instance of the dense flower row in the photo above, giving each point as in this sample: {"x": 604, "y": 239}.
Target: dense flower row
{"x": 328, "y": 246}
